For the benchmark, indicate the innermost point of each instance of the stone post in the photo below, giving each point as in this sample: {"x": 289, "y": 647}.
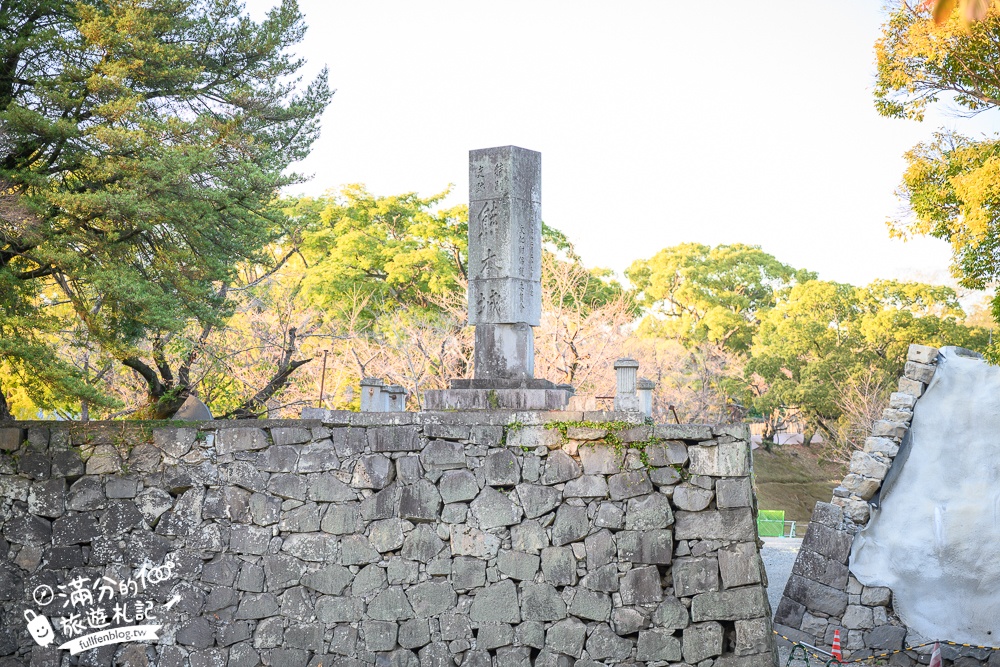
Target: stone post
{"x": 645, "y": 390}
{"x": 505, "y": 260}
{"x": 371, "y": 395}
{"x": 626, "y": 374}
{"x": 395, "y": 398}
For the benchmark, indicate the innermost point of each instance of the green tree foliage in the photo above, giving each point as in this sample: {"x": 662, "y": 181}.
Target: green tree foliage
{"x": 141, "y": 147}
{"x": 369, "y": 254}
{"x": 702, "y": 294}
{"x": 952, "y": 183}
{"x": 822, "y": 337}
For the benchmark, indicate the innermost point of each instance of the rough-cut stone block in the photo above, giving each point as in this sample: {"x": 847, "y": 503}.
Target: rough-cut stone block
{"x": 739, "y": 565}
{"x": 732, "y": 524}
{"x": 497, "y": 603}
{"x": 671, "y": 615}
{"x": 240, "y": 439}
{"x": 539, "y": 602}
{"x": 692, "y": 498}
{"x": 812, "y": 565}
{"x": 900, "y": 401}
{"x": 629, "y": 485}
{"x": 753, "y": 636}
{"x": 604, "y": 578}
{"x": 502, "y": 469}
{"x": 887, "y": 429}
{"x": 789, "y": 612}
{"x": 816, "y": 597}
{"x": 857, "y": 617}
{"x": 571, "y": 524}
{"x": 494, "y": 635}
{"x": 701, "y": 641}
{"x": 886, "y": 637}
{"x": 733, "y": 492}
{"x": 458, "y": 486}
{"x": 587, "y": 486}
{"x": 754, "y": 660}
{"x": 11, "y": 439}
{"x": 592, "y": 605}
{"x": 922, "y": 354}
{"x": 518, "y": 565}
{"x": 918, "y": 371}
{"x": 395, "y": 439}
{"x": 730, "y": 605}
{"x": 894, "y": 415}
{"x": 601, "y": 459}
{"x": 861, "y": 486}
{"x": 876, "y": 596}
{"x": 559, "y": 467}
{"x": 658, "y": 644}
{"x": 422, "y": 544}
{"x": 600, "y": 548}
{"x": 443, "y": 455}
{"x": 648, "y": 512}
{"x": 827, "y": 514}
{"x": 730, "y": 459}
{"x": 537, "y": 500}
{"x": 695, "y": 575}
{"x": 911, "y": 387}
{"x": 373, "y": 471}
{"x": 567, "y": 637}
{"x": 604, "y": 644}
{"x": 683, "y": 431}
{"x": 885, "y": 446}
{"x": 431, "y": 598}
{"x": 829, "y": 542}
{"x": 559, "y": 566}
{"x": 641, "y": 586}
{"x": 494, "y": 509}
{"x": 48, "y": 498}
{"x": 469, "y": 541}
{"x": 529, "y": 437}
{"x": 420, "y": 502}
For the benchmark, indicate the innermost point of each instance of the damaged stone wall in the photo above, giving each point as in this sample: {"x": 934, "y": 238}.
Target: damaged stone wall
{"x": 486, "y": 539}
{"x": 881, "y": 505}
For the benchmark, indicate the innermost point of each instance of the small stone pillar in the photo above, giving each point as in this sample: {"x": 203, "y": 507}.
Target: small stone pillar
{"x": 626, "y": 374}
{"x": 645, "y": 390}
{"x": 371, "y": 395}
{"x": 395, "y": 398}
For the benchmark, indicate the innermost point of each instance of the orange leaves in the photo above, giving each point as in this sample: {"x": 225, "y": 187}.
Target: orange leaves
{"x": 970, "y": 11}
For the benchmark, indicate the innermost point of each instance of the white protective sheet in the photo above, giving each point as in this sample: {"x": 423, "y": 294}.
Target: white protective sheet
{"x": 935, "y": 540}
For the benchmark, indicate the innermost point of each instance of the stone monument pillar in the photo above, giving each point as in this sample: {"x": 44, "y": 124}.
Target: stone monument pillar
{"x": 505, "y": 260}
{"x": 505, "y": 281}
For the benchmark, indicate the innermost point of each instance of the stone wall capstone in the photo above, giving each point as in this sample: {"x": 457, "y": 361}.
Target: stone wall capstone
{"x": 486, "y": 539}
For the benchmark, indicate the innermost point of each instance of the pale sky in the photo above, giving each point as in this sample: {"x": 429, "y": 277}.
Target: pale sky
{"x": 658, "y": 122}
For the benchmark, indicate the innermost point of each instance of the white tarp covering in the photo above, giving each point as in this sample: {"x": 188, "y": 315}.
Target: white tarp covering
{"x": 935, "y": 540}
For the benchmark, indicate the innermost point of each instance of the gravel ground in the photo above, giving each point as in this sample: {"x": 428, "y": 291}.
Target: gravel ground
{"x": 778, "y": 555}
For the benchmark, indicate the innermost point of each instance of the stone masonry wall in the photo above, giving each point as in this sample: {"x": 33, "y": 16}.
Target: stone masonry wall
{"x": 821, "y": 595}
{"x": 396, "y": 539}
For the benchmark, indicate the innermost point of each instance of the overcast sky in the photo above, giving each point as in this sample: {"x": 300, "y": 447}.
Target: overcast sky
{"x": 658, "y": 122}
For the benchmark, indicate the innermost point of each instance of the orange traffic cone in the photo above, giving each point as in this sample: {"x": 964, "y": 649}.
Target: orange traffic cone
{"x": 835, "y": 651}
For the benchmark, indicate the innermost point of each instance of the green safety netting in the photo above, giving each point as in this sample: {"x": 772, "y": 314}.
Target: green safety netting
{"x": 771, "y": 523}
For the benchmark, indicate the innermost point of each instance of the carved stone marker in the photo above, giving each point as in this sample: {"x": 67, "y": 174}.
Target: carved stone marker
{"x": 505, "y": 281}
{"x": 505, "y": 259}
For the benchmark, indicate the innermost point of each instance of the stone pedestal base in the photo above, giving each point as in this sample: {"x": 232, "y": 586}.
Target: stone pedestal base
{"x": 504, "y": 351}
{"x": 499, "y": 394}
{"x": 498, "y": 398}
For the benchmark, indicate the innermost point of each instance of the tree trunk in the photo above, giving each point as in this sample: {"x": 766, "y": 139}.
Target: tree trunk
{"x": 4, "y": 409}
